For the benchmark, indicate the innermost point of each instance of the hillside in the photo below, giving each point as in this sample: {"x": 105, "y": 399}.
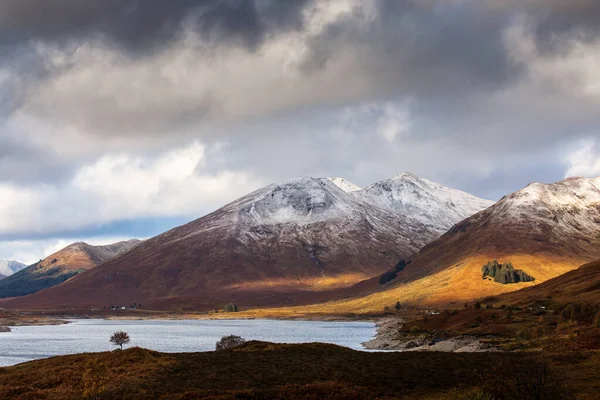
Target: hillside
{"x": 61, "y": 266}
{"x": 580, "y": 286}
{"x": 283, "y": 244}
{"x": 260, "y": 370}
{"x": 7, "y": 268}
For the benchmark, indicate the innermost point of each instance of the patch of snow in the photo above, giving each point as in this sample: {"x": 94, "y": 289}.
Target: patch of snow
{"x": 432, "y": 204}
{"x": 345, "y": 185}
{"x": 7, "y": 268}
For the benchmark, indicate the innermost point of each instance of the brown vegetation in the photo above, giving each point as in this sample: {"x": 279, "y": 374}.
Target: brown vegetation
{"x": 259, "y": 370}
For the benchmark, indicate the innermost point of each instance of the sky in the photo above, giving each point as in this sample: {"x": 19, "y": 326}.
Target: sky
{"x": 125, "y": 118}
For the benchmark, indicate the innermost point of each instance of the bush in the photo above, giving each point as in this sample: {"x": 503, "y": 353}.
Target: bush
{"x": 398, "y": 305}
{"x": 229, "y": 342}
{"x": 231, "y": 307}
{"x": 478, "y": 305}
{"x": 415, "y": 330}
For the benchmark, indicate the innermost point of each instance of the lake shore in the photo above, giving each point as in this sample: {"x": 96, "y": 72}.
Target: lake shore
{"x": 391, "y": 335}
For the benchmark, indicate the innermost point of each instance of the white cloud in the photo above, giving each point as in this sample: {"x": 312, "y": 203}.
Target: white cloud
{"x": 123, "y": 186}
{"x": 585, "y": 161}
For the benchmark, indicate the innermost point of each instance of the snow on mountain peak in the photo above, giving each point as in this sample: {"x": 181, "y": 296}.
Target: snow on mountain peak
{"x": 345, "y": 185}
{"x": 431, "y": 203}
{"x": 577, "y": 193}
{"x": 301, "y": 201}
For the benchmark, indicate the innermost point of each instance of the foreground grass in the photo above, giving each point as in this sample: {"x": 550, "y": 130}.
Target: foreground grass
{"x": 260, "y": 370}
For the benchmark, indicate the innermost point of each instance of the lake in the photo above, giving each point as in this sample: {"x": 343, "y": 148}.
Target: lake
{"x": 26, "y": 343}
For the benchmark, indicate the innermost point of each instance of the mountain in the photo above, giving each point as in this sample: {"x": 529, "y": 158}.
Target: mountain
{"x": 8, "y": 268}
{"x": 437, "y": 206}
{"x": 60, "y": 266}
{"x": 541, "y": 232}
{"x": 299, "y": 238}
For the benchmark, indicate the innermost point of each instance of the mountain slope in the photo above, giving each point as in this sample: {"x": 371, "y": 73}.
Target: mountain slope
{"x": 7, "y": 268}
{"x": 435, "y": 205}
{"x": 578, "y": 286}
{"x": 60, "y": 266}
{"x": 543, "y": 230}
{"x": 271, "y": 247}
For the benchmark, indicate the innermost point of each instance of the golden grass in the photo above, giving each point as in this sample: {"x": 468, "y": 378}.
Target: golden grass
{"x": 455, "y": 285}
{"x": 316, "y": 284}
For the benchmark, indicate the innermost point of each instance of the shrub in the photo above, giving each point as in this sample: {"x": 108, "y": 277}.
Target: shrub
{"x": 398, "y": 305}
{"x": 478, "y": 305}
{"x": 415, "y": 330}
{"x": 229, "y": 342}
{"x": 231, "y": 307}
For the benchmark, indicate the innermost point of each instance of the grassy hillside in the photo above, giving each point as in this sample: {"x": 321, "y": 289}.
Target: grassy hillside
{"x": 268, "y": 371}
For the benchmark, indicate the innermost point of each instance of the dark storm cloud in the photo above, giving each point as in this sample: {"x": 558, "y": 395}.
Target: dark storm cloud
{"x": 142, "y": 24}
{"x": 424, "y": 48}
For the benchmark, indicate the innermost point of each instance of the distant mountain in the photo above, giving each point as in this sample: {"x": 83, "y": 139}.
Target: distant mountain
{"x": 434, "y": 205}
{"x": 7, "y": 268}
{"x": 542, "y": 231}
{"x": 301, "y": 237}
{"x": 60, "y": 266}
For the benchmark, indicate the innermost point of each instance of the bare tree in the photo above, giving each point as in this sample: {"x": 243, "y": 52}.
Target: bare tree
{"x": 119, "y": 338}
{"x": 228, "y": 342}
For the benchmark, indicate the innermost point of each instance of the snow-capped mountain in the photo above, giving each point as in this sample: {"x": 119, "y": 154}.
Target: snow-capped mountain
{"x": 302, "y": 237}
{"x": 7, "y": 268}
{"x": 544, "y": 230}
{"x": 437, "y": 206}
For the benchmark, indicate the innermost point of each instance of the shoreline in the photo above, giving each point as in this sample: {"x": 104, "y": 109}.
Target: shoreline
{"x": 390, "y": 336}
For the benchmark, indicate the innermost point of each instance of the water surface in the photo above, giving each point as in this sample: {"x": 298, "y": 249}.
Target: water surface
{"x": 26, "y": 343}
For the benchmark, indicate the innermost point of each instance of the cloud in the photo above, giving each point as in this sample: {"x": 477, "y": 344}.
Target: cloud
{"x": 585, "y": 161}
{"x": 122, "y": 186}
{"x": 480, "y": 95}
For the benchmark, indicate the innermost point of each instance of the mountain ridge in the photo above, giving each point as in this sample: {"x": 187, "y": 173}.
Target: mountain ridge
{"x": 61, "y": 266}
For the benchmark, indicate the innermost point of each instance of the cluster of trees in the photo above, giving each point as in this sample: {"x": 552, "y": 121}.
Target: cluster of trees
{"x": 505, "y": 273}
{"x": 231, "y": 307}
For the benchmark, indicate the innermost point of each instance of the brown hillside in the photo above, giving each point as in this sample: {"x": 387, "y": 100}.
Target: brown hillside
{"x": 578, "y": 286}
